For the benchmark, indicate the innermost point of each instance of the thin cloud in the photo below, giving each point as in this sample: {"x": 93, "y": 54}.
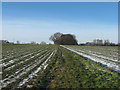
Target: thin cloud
{"x": 32, "y": 29}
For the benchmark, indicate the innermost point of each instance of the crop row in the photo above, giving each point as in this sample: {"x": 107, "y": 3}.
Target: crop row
{"x": 18, "y": 51}
{"x": 22, "y": 69}
{"x": 94, "y": 56}
{"x": 105, "y": 51}
{"x": 75, "y": 71}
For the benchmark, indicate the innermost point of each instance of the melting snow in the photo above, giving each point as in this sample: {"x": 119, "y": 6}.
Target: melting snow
{"x": 98, "y": 58}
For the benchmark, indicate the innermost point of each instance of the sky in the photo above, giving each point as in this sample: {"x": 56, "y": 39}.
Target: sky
{"x": 0, "y": 22}
{"x": 37, "y": 21}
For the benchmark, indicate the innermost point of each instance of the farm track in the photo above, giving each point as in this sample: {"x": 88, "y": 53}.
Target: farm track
{"x": 73, "y": 71}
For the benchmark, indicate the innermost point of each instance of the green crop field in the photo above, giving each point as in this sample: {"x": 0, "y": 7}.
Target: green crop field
{"x": 54, "y": 66}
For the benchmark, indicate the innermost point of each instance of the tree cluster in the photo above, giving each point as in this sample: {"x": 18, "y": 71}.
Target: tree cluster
{"x": 63, "y": 39}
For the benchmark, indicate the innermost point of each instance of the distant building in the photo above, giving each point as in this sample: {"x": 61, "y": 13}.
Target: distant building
{"x": 89, "y": 43}
{"x": 32, "y": 42}
{"x": 95, "y": 41}
{"x": 98, "y": 42}
{"x": 18, "y": 42}
{"x": 106, "y": 42}
{"x": 43, "y": 43}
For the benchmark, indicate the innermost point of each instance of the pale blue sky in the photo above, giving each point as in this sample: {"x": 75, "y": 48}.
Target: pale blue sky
{"x": 37, "y": 21}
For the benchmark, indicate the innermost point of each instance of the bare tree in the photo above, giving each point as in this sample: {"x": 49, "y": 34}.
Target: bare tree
{"x": 55, "y": 36}
{"x": 32, "y": 42}
{"x": 18, "y": 42}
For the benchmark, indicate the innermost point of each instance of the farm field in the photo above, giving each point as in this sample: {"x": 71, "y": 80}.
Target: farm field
{"x": 52, "y": 66}
{"x": 107, "y": 55}
{"x": 22, "y": 62}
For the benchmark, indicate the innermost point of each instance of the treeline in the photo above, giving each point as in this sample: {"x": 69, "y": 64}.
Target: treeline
{"x": 87, "y": 44}
{"x": 5, "y": 42}
{"x": 18, "y": 42}
{"x": 67, "y": 39}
